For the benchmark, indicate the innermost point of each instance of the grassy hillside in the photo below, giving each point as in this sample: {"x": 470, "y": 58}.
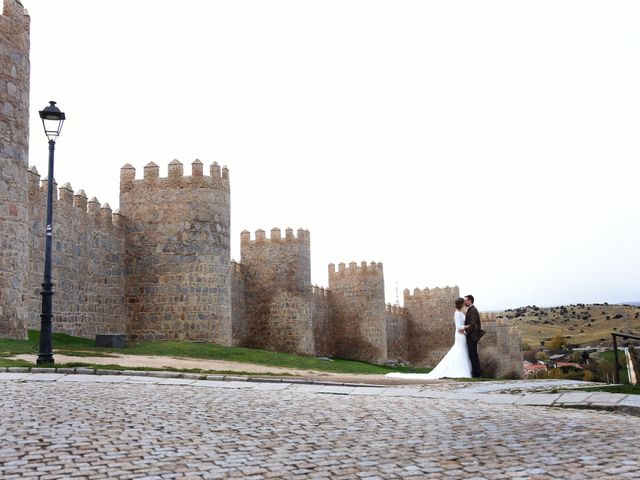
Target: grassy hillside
{"x": 582, "y": 324}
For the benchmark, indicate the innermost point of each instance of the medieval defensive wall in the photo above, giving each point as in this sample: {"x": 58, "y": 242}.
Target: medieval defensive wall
{"x": 159, "y": 267}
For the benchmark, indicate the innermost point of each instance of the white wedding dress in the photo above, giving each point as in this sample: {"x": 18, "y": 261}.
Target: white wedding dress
{"x": 455, "y": 364}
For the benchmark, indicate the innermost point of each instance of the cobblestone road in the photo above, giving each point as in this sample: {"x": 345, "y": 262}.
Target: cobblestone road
{"x": 94, "y": 430}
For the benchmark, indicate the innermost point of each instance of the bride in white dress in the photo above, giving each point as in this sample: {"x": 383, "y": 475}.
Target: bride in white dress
{"x": 456, "y": 363}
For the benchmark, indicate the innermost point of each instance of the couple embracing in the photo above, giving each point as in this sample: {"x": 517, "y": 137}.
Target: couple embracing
{"x": 462, "y": 360}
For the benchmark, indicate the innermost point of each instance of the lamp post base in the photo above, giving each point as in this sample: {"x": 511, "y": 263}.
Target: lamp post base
{"x": 45, "y": 360}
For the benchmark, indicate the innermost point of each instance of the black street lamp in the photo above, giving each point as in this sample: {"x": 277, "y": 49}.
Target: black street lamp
{"x": 52, "y": 120}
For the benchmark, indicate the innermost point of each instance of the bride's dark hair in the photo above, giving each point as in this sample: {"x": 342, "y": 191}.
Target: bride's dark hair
{"x": 459, "y": 303}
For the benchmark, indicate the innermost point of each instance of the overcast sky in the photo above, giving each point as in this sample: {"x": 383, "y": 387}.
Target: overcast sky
{"x": 492, "y": 145}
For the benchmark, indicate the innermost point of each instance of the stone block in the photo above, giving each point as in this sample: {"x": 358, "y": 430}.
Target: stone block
{"x": 177, "y": 381}
{"x": 111, "y": 340}
{"x": 165, "y": 374}
{"x": 630, "y": 401}
{"x": 13, "y": 375}
{"x": 66, "y": 370}
{"x": 18, "y": 369}
{"x": 604, "y": 398}
{"x": 85, "y": 371}
{"x": 336, "y": 390}
{"x": 500, "y": 398}
{"x": 43, "y": 369}
{"x": 542, "y": 399}
{"x": 43, "y": 377}
{"x": 265, "y": 379}
{"x": 137, "y": 373}
{"x": 574, "y": 397}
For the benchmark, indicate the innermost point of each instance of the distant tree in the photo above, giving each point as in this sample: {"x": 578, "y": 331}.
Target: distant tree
{"x": 588, "y": 376}
{"x": 617, "y": 316}
{"x": 555, "y": 373}
{"x": 530, "y": 356}
{"x": 557, "y": 343}
{"x": 605, "y": 369}
{"x": 525, "y": 346}
{"x": 541, "y": 356}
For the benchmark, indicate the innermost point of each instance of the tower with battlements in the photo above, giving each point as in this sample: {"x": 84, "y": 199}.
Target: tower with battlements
{"x": 159, "y": 267}
{"x": 359, "y": 320}
{"x": 177, "y": 262}
{"x": 14, "y": 149}
{"x": 277, "y": 273}
{"x": 431, "y": 328}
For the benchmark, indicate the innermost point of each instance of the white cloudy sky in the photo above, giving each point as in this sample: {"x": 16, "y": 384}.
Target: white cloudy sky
{"x": 489, "y": 144}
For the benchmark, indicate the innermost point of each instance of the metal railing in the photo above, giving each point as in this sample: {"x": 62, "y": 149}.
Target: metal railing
{"x": 615, "y": 352}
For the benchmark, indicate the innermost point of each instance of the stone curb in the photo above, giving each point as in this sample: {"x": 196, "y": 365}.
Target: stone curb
{"x": 611, "y": 402}
{"x": 190, "y": 376}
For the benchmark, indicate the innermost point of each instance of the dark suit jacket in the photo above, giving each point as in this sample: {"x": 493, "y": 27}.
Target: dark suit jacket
{"x": 472, "y": 318}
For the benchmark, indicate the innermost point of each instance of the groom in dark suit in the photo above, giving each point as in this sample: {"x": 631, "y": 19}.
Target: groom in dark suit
{"x": 472, "y": 327}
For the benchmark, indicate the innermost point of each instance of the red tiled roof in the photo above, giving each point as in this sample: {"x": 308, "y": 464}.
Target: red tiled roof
{"x": 568, "y": 364}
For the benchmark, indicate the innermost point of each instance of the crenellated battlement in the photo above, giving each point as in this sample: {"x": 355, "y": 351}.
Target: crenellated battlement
{"x": 490, "y": 317}
{"x": 373, "y": 268}
{"x": 395, "y": 310}
{"x": 301, "y": 236}
{"x": 320, "y": 291}
{"x": 101, "y": 215}
{"x": 436, "y": 293}
{"x": 217, "y": 179}
{"x": 236, "y": 267}
{"x": 13, "y": 11}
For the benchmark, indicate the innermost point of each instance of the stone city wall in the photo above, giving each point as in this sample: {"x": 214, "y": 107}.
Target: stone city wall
{"x": 87, "y": 261}
{"x": 178, "y": 253}
{"x": 515, "y": 353}
{"x": 397, "y": 333}
{"x": 14, "y": 150}
{"x": 431, "y": 327}
{"x": 322, "y": 313}
{"x": 240, "y": 330}
{"x": 359, "y": 314}
{"x": 162, "y": 269}
{"x": 278, "y": 290}
{"x": 499, "y": 350}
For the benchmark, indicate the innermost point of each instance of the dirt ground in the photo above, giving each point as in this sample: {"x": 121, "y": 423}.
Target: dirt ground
{"x": 224, "y": 366}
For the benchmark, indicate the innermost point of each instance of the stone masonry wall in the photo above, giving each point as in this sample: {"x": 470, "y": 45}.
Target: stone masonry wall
{"x": 322, "y": 311}
{"x": 431, "y": 324}
{"x": 397, "y": 333}
{"x": 87, "y": 262}
{"x": 278, "y": 290}
{"x": 515, "y": 353}
{"x": 14, "y": 149}
{"x": 238, "y": 312}
{"x": 500, "y": 350}
{"x": 359, "y": 311}
{"x": 178, "y": 256}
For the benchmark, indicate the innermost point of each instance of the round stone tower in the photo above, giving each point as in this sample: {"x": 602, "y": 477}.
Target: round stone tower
{"x": 177, "y": 260}
{"x": 14, "y": 148}
{"x": 360, "y": 327}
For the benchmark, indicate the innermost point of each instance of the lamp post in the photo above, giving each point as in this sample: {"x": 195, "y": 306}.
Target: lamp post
{"x": 52, "y": 120}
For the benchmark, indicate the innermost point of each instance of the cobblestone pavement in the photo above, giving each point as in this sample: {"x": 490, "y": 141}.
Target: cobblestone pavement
{"x": 78, "y": 429}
